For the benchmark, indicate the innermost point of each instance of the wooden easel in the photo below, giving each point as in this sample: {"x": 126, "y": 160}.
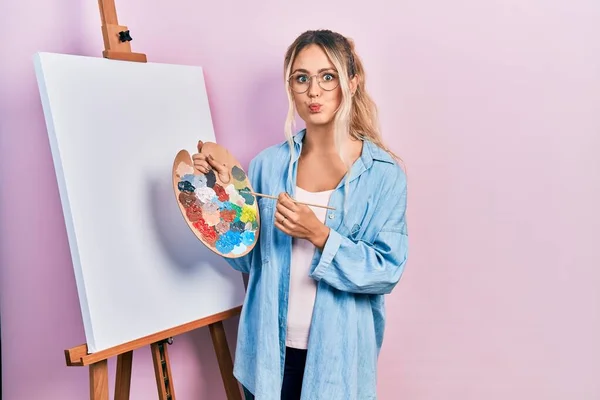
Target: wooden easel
{"x": 117, "y": 47}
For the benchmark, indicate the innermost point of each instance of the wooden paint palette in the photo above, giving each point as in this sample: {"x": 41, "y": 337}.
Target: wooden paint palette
{"x": 219, "y": 210}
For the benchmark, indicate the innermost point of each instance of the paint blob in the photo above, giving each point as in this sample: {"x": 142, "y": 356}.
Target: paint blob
{"x": 205, "y": 194}
{"x": 228, "y": 215}
{"x": 248, "y": 238}
{"x": 209, "y": 207}
{"x": 185, "y": 186}
{"x": 224, "y": 216}
{"x": 184, "y": 169}
{"x": 248, "y": 198}
{"x": 237, "y": 226}
{"x": 212, "y": 218}
{"x": 187, "y": 199}
{"x": 234, "y": 196}
{"x": 220, "y": 192}
{"x": 211, "y": 179}
{"x": 199, "y": 181}
{"x": 228, "y": 241}
{"x": 239, "y": 249}
{"x": 239, "y": 185}
{"x": 248, "y": 214}
{"x": 222, "y": 227}
{"x": 238, "y": 174}
{"x": 193, "y": 213}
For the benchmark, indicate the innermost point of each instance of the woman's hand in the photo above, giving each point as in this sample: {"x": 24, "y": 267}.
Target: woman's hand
{"x": 206, "y": 162}
{"x": 299, "y": 221}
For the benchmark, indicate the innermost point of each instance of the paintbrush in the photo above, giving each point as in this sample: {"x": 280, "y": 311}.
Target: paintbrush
{"x": 294, "y": 200}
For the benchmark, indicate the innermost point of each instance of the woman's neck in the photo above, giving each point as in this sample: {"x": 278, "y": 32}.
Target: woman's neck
{"x": 321, "y": 141}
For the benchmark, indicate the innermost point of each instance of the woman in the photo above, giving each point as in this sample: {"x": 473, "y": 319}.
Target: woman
{"x": 313, "y": 319}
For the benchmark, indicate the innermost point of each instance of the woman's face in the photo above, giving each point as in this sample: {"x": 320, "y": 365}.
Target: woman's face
{"x": 313, "y": 74}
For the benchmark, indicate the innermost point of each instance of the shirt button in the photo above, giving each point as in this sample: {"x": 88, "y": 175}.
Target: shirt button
{"x": 331, "y": 216}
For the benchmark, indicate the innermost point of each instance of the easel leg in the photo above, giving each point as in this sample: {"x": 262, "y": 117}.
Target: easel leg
{"x": 123, "y": 379}
{"x": 162, "y": 370}
{"x": 217, "y": 332}
{"x": 99, "y": 380}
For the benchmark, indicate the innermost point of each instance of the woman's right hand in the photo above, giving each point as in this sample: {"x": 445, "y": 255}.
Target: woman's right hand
{"x": 206, "y": 162}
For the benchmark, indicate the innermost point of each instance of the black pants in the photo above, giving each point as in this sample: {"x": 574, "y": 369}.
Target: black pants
{"x": 295, "y": 360}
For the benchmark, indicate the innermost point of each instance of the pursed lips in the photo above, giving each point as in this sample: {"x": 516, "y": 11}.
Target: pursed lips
{"x": 315, "y": 107}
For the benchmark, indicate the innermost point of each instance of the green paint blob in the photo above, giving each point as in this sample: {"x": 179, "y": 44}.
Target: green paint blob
{"x": 238, "y": 210}
{"x": 247, "y": 196}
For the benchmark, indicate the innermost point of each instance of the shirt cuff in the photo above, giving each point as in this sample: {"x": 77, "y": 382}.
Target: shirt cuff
{"x": 334, "y": 240}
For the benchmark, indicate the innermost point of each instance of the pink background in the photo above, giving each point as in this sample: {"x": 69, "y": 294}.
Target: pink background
{"x": 494, "y": 105}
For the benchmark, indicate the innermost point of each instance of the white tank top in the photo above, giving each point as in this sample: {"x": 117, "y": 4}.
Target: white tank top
{"x": 303, "y": 289}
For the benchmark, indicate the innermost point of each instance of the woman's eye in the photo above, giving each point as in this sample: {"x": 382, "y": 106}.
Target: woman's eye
{"x": 301, "y": 79}
{"x": 328, "y": 77}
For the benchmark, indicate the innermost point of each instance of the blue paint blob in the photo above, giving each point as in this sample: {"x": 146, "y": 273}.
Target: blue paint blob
{"x": 185, "y": 186}
{"x": 239, "y": 249}
{"x": 188, "y": 178}
{"x": 226, "y": 205}
{"x": 223, "y": 247}
{"x": 228, "y": 241}
{"x": 248, "y": 238}
{"x": 238, "y": 226}
{"x": 220, "y": 204}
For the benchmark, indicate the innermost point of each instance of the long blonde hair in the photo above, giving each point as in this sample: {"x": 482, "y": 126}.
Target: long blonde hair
{"x": 357, "y": 115}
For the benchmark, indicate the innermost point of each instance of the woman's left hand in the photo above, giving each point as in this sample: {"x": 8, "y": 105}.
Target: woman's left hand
{"x": 299, "y": 221}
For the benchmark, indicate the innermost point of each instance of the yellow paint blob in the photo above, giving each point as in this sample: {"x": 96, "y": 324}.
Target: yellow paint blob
{"x": 248, "y": 214}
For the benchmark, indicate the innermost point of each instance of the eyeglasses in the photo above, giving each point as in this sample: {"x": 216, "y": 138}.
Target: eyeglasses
{"x": 300, "y": 83}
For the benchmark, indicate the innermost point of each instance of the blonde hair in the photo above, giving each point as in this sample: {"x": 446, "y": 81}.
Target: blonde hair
{"x": 357, "y": 115}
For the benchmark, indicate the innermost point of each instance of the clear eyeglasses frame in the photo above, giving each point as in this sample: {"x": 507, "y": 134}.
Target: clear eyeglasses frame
{"x": 301, "y": 82}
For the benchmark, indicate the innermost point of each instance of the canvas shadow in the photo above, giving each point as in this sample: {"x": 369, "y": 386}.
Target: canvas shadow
{"x": 178, "y": 241}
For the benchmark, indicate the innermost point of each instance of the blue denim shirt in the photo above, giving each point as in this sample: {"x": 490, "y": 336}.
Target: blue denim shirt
{"x": 362, "y": 260}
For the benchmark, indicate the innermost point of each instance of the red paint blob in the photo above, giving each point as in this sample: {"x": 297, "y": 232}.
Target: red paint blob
{"x": 228, "y": 215}
{"x": 221, "y": 193}
{"x": 194, "y": 213}
{"x": 208, "y": 233}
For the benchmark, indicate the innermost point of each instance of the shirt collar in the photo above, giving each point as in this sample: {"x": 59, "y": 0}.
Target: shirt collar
{"x": 370, "y": 151}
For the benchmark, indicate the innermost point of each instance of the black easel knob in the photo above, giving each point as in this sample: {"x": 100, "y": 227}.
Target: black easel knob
{"x": 124, "y": 36}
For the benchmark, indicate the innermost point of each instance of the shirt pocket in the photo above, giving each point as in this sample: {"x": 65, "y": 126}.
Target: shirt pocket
{"x": 358, "y": 219}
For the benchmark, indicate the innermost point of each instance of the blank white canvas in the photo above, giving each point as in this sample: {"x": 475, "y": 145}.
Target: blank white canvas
{"x": 114, "y": 129}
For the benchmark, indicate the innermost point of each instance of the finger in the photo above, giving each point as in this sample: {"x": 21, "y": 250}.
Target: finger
{"x": 285, "y": 212}
{"x": 202, "y": 166}
{"x": 282, "y": 228}
{"x": 284, "y": 220}
{"x": 288, "y": 202}
{"x": 198, "y": 156}
{"x": 200, "y": 144}
{"x": 218, "y": 166}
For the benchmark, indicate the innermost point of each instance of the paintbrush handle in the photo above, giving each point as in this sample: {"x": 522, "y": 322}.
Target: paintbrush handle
{"x": 295, "y": 201}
